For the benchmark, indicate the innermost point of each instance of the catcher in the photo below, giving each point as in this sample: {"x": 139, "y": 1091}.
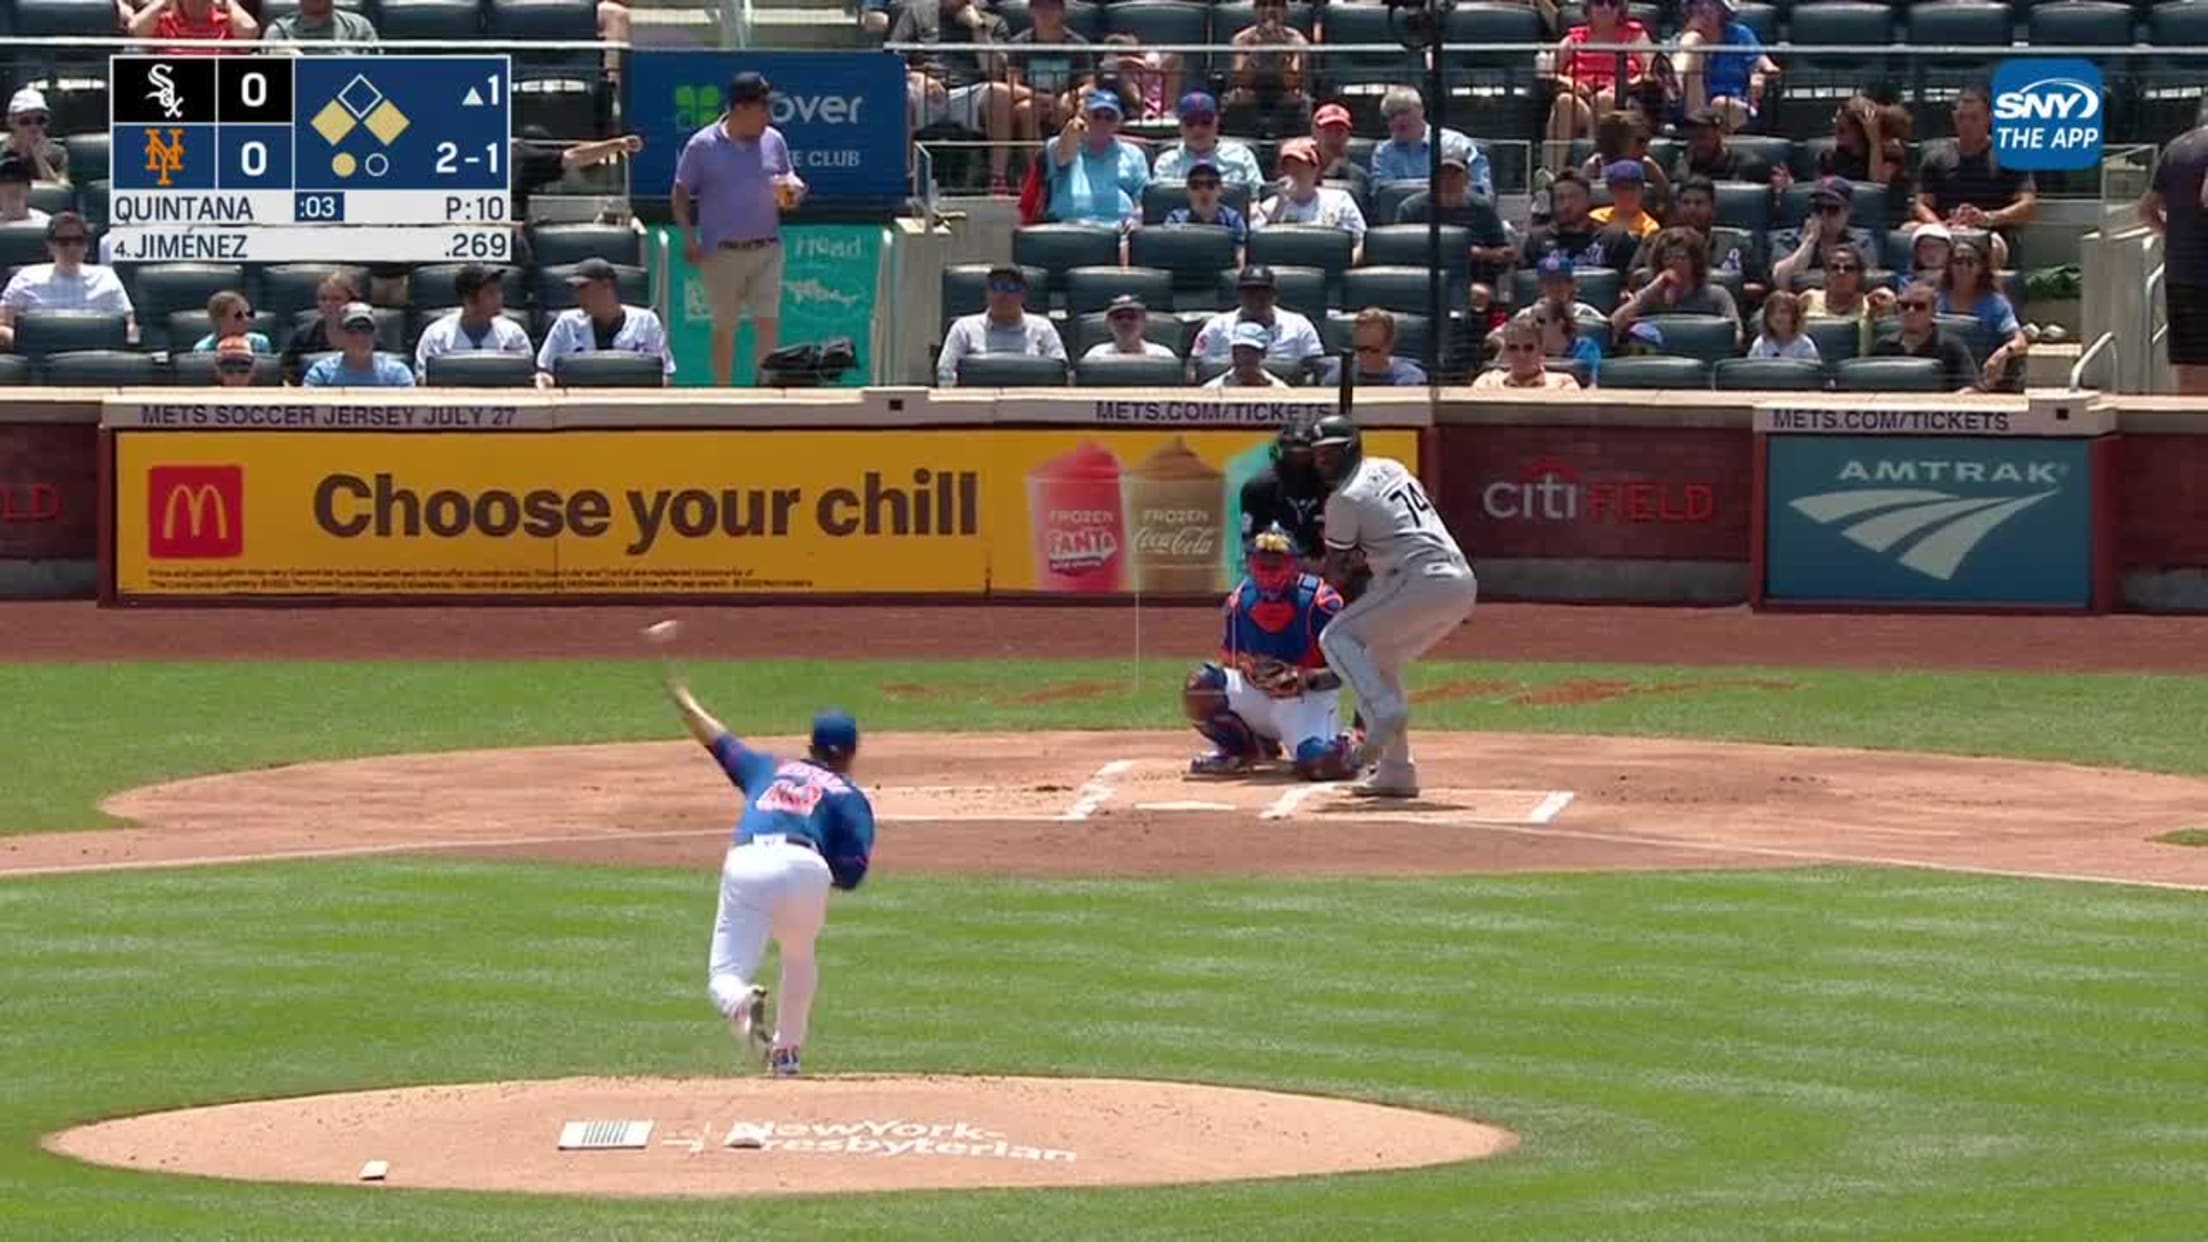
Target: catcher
{"x": 1271, "y": 690}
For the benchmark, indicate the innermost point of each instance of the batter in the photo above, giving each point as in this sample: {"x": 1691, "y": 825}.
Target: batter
{"x": 805, "y": 829}
{"x": 1271, "y": 689}
{"x": 1422, "y": 588}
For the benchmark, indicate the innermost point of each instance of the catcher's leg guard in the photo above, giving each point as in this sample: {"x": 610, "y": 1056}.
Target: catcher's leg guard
{"x": 1325, "y": 759}
{"x": 1204, "y": 700}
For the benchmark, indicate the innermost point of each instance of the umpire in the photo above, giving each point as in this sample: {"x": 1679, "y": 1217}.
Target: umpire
{"x": 1288, "y": 493}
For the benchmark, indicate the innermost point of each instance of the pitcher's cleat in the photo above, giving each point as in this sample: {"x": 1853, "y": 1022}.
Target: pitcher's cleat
{"x": 782, "y": 1063}
{"x": 749, "y": 1022}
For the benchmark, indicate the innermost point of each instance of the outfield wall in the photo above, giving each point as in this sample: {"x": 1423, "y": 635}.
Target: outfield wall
{"x": 1632, "y": 496}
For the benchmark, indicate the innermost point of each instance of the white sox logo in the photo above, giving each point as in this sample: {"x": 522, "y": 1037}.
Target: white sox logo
{"x": 164, "y": 92}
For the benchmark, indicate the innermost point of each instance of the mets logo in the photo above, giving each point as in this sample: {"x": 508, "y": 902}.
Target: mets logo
{"x": 1932, "y": 531}
{"x": 195, "y": 512}
{"x": 164, "y": 158}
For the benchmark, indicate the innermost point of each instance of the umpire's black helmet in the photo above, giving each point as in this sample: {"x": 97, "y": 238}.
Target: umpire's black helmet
{"x": 1337, "y": 446}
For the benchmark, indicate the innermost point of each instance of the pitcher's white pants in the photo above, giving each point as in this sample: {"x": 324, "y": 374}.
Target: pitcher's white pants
{"x": 769, "y": 888}
{"x": 1398, "y": 619}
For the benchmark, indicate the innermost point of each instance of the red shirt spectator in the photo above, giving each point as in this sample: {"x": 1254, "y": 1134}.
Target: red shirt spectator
{"x": 194, "y": 19}
{"x": 1600, "y": 69}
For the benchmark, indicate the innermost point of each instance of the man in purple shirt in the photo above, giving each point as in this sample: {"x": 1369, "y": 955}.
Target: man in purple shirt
{"x": 733, "y": 179}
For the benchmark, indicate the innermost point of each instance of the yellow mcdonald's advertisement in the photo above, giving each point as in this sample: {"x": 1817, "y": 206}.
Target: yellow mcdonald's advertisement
{"x": 1117, "y": 512}
{"x": 708, "y": 512}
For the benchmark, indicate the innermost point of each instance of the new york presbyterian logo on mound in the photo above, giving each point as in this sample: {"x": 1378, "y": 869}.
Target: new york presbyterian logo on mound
{"x": 195, "y": 512}
{"x": 1924, "y": 529}
{"x": 2048, "y": 114}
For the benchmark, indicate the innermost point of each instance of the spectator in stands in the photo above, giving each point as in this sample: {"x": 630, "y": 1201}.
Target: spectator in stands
{"x": 1405, "y": 156}
{"x": 2177, "y": 207}
{"x": 1302, "y": 200}
{"x": 1097, "y": 176}
{"x": 1626, "y": 179}
{"x": 1782, "y": 335}
{"x": 540, "y": 162}
{"x": 1148, "y": 81}
{"x": 1830, "y": 226}
{"x": 1929, "y": 250}
{"x": 733, "y": 180}
{"x": 1728, "y": 84}
{"x": 67, "y": 283}
{"x": 478, "y": 325}
{"x": 1921, "y": 336}
{"x": 1962, "y": 184}
{"x": 1288, "y": 334}
{"x": 1248, "y": 346}
{"x": 320, "y": 21}
{"x": 600, "y": 321}
{"x": 1572, "y": 232}
{"x": 1569, "y": 338}
{"x": 971, "y": 90}
{"x": 1587, "y": 81}
{"x": 1681, "y": 285}
{"x": 1206, "y": 205}
{"x": 1372, "y": 344}
{"x": 1201, "y": 144}
{"x": 1525, "y": 364}
{"x": 15, "y": 191}
{"x": 336, "y": 291}
{"x": 1330, "y": 127}
{"x": 234, "y": 362}
{"x": 1731, "y": 250}
{"x": 1491, "y": 251}
{"x": 1844, "y": 297}
{"x": 231, "y": 316}
{"x": 1625, "y": 136}
{"x": 358, "y": 363}
{"x": 1708, "y": 155}
{"x": 1870, "y": 143}
{"x": 1053, "y": 79}
{"x": 1559, "y": 301}
{"x": 1270, "y": 83}
{"x": 1967, "y": 288}
{"x": 30, "y": 135}
{"x": 1127, "y": 317}
{"x": 1006, "y": 327}
{"x": 193, "y": 19}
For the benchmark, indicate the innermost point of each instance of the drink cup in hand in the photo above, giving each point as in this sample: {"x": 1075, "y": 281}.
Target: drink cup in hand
{"x": 787, "y": 191}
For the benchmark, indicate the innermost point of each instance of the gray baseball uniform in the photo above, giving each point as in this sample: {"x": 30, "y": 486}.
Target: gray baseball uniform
{"x": 1422, "y": 588}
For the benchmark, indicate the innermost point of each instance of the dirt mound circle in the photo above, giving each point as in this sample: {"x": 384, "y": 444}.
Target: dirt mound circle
{"x": 724, "y": 1137}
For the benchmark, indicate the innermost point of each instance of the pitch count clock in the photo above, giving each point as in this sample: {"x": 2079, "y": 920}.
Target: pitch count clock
{"x": 279, "y": 159}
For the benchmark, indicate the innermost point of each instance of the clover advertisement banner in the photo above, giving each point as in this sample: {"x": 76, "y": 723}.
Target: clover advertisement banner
{"x": 843, "y": 114}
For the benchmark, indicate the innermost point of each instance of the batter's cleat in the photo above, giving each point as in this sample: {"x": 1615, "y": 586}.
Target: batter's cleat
{"x": 749, "y": 1022}
{"x": 782, "y": 1063}
{"x": 1380, "y": 785}
{"x": 1268, "y": 750}
{"x": 1218, "y": 763}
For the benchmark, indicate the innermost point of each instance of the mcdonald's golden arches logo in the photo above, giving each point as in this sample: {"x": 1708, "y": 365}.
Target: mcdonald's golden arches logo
{"x": 195, "y": 512}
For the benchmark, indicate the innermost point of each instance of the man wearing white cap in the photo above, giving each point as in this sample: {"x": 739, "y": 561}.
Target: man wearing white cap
{"x": 1248, "y": 368}
{"x": 30, "y": 135}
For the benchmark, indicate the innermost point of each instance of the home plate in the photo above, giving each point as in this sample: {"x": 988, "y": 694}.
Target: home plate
{"x": 1186, "y": 806}
{"x": 1443, "y": 806}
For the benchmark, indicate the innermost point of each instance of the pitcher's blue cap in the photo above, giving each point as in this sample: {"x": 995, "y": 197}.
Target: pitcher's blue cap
{"x": 835, "y": 733}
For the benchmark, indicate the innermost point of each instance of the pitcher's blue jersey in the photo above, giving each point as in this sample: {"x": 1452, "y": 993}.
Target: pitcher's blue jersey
{"x": 1284, "y": 628}
{"x": 804, "y": 801}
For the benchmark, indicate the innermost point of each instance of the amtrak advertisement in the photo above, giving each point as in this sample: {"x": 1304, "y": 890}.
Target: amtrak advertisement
{"x": 1930, "y": 520}
{"x": 843, "y": 114}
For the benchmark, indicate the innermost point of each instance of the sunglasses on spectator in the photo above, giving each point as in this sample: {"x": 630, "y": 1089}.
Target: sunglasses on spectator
{"x": 1843, "y": 267}
{"x": 1916, "y": 304}
{"x": 1006, "y": 286}
{"x": 1523, "y": 347}
{"x": 1370, "y": 349}
{"x": 70, "y": 239}
{"x": 234, "y": 366}
{"x": 1124, "y": 316}
{"x": 1202, "y": 185}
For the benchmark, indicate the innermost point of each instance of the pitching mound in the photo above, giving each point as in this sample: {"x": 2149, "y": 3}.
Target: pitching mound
{"x": 658, "y": 1136}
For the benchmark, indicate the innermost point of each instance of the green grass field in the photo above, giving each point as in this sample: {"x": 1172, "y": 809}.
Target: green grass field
{"x": 1822, "y": 1053}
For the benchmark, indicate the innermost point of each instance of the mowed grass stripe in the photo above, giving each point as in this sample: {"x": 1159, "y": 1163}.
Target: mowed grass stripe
{"x": 1688, "y": 1056}
{"x": 82, "y": 731}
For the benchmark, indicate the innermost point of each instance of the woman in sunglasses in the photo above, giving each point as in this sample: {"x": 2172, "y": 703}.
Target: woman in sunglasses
{"x": 1966, "y": 288}
{"x": 1525, "y": 363}
{"x": 1922, "y": 337}
{"x": 1845, "y": 296}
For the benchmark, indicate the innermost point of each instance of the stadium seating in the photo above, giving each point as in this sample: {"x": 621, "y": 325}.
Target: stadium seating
{"x": 1093, "y": 288}
{"x": 1302, "y": 245}
{"x": 22, "y": 243}
{"x": 1129, "y": 371}
{"x": 15, "y": 371}
{"x": 39, "y": 333}
{"x": 1890, "y": 375}
{"x": 609, "y": 369}
{"x": 101, "y": 368}
{"x": 1193, "y": 253}
{"x": 1404, "y": 245}
{"x": 1300, "y": 289}
{"x": 390, "y": 327}
{"x": 1059, "y": 248}
{"x": 431, "y": 285}
{"x": 553, "y": 293}
{"x": 1652, "y": 371}
{"x": 556, "y": 245}
{"x": 965, "y": 289}
{"x": 1836, "y": 339}
{"x": 1292, "y": 371}
{"x": 482, "y": 370}
{"x": 186, "y": 327}
{"x": 1706, "y": 338}
{"x": 288, "y": 288}
{"x": 165, "y": 288}
{"x": 1010, "y": 371}
{"x": 431, "y": 19}
{"x": 1771, "y": 374}
{"x": 1091, "y": 330}
{"x": 1410, "y": 333}
{"x": 198, "y": 371}
{"x": 1399, "y": 289}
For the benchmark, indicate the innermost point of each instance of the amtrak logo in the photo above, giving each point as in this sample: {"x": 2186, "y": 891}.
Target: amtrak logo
{"x": 1934, "y": 531}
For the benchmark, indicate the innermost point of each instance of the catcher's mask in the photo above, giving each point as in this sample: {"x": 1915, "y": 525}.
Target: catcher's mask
{"x": 1273, "y": 560}
{"x": 1336, "y": 448}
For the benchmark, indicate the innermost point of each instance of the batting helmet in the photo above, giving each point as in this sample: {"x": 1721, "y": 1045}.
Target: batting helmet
{"x": 1337, "y": 446}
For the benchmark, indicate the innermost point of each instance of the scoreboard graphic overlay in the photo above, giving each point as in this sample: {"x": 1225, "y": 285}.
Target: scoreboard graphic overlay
{"x": 280, "y": 159}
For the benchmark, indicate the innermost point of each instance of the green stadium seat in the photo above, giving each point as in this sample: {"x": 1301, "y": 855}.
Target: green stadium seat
{"x": 554, "y": 293}
{"x": 1169, "y": 330}
{"x": 53, "y": 197}
{"x": 186, "y": 327}
{"x": 288, "y": 288}
{"x": 1335, "y": 332}
{"x": 1194, "y": 254}
{"x": 556, "y": 245}
{"x": 15, "y": 371}
{"x": 432, "y": 285}
{"x": 1837, "y": 339}
{"x": 609, "y": 369}
{"x": 1706, "y": 338}
{"x": 965, "y": 289}
{"x": 42, "y": 332}
{"x": 1769, "y": 375}
{"x": 1744, "y": 205}
{"x": 1059, "y": 248}
{"x": 390, "y": 327}
{"x": 1890, "y": 375}
{"x": 1093, "y": 288}
{"x": 1300, "y": 289}
{"x": 483, "y": 370}
{"x": 1302, "y": 245}
{"x": 88, "y": 156}
{"x": 431, "y": 19}
{"x": 1399, "y": 289}
{"x": 1652, "y": 371}
{"x": 198, "y": 371}
{"x": 22, "y": 243}
{"x": 1404, "y": 245}
{"x": 101, "y": 368}
{"x": 1129, "y": 371}
{"x": 1010, "y": 371}
{"x": 165, "y": 288}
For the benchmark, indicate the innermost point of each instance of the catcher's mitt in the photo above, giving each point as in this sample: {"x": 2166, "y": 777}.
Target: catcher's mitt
{"x": 1275, "y": 678}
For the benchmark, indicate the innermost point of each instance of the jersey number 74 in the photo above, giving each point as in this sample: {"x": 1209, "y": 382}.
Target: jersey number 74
{"x": 1418, "y": 511}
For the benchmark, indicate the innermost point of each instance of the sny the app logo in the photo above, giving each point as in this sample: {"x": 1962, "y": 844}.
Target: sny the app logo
{"x": 164, "y": 158}
{"x": 2047, "y": 114}
{"x": 195, "y": 512}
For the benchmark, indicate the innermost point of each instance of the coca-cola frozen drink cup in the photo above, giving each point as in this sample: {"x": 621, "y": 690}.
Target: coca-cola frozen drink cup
{"x": 1176, "y": 513}
{"x": 1074, "y": 516}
